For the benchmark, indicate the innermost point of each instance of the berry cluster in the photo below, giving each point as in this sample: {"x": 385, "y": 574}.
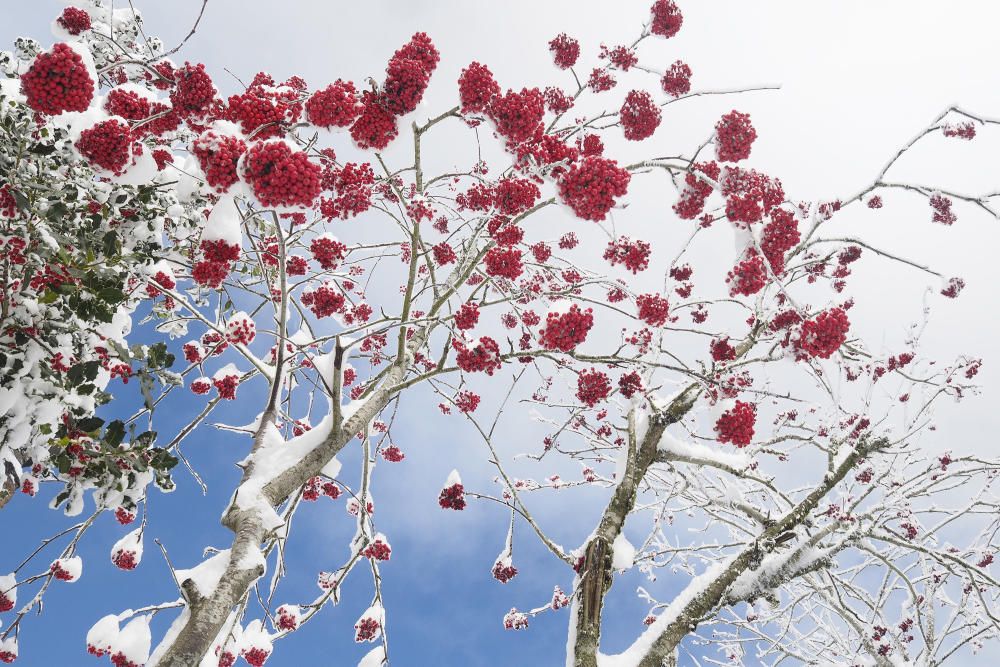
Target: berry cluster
{"x": 823, "y": 335}
{"x": 749, "y": 276}
{"x": 666, "y": 18}
{"x": 734, "y": 137}
{"x": 622, "y": 57}
{"x": 476, "y": 87}
{"x": 201, "y": 386}
{"x": 565, "y": 50}
{"x": 452, "y": 497}
{"x": 953, "y": 287}
{"x": 280, "y": 176}
{"x": 405, "y": 83}
{"x": 74, "y": 20}
{"x": 328, "y": 251}
{"x": 8, "y": 203}
{"x": 467, "y": 401}
{"x": 640, "y": 115}
{"x": 677, "y": 80}
{"x": 467, "y": 316}
{"x": 633, "y": 254}
{"x": 287, "y": 618}
{"x": 942, "y": 209}
{"x": 696, "y": 190}
{"x": 517, "y": 115}
{"x": 601, "y": 80}
{"x": 630, "y": 384}
{"x": 557, "y": 101}
{"x": 124, "y": 559}
{"x": 334, "y": 106}
{"x": 779, "y": 236}
{"x": 193, "y": 91}
{"x": 964, "y": 130}
{"x": 376, "y": 126}
{"x": 258, "y": 117}
{"x": 749, "y": 194}
{"x": 515, "y": 620}
{"x": 736, "y": 425}
{"x": 58, "y": 81}
{"x": 564, "y": 331}
{"x": 324, "y": 301}
{"x": 66, "y": 569}
{"x": 367, "y": 629}
{"x": 653, "y": 309}
{"x": 217, "y": 263}
{"x": 591, "y": 186}
{"x": 483, "y": 357}
{"x": 443, "y": 254}
{"x": 218, "y": 156}
{"x": 504, "y": 263}
{"x": 592, "y": 387}
{"x": 393, "y": 454}
{"x": 513, "y": 196}
{"x": 353, "y": 187}
{"x": 226, "y": 386}
{"x": 107, "y": 145}
{"x": 722, "y": 350}
{"x": 241, "y": 329}
{"x": 378, "y": 549}
{"x": 503, "y": 571}
{"x": 255, "y": 656}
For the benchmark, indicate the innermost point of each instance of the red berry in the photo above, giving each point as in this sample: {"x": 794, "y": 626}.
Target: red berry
{"x": 58, "y": 81}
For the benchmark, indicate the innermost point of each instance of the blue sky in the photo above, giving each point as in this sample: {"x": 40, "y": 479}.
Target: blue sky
{"x": 858, "y": 81}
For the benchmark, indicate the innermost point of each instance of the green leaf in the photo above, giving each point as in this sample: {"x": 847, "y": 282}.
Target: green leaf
{"x": 115, "y": 433}
{"x": 90, "y": 424}
{"x": 111, "y": 295}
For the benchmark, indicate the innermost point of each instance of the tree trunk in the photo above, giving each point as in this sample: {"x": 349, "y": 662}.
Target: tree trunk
{"x": 597, "y": 571}
{"x": 7, "y": 492}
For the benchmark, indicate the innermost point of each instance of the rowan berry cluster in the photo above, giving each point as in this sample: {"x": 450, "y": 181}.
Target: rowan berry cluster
{"x": 517, "y": 115}
{"x": 749, "y": 276}
{"x": 452, "y": 497}
{"x": 476, "y": 87}
{"x": 823, "y": 335}
{"x": 504, "y": 263}
{"x": 736, "y": 425}
{"x": 591, "y": 186}
{"x": 677, "y": 80}
{"x": 666, "y": 18}
{"x": 325, "y": 300}
{"x": 779, "y": 236}
{"x": 565, "y": 50}
{"x": 565, "y": 330}
{"x": 328, "y": 251}
{"x": 107, "y": 145}
{"x": 74, "y": 20}
{"x": 193, "y": 91}
{"x": 592, "y": 387}
{"x": 654, "y": 310}
{"x": 58, "y": 81}
{"x": 503, "y": 571}
{"x": 280, "y": 176}
{"x": 639, "y": 115}
{"x": 218, "y": 156}
{"x": 696, "y": 190}
{"x": 467, "y": 401}
{"x": 633, "y": 254}
{"x": 334, "y": 106}
{"x": 630, "y": 384}
{"x": 483, "y": 357}
{"x": 734, "y": 137}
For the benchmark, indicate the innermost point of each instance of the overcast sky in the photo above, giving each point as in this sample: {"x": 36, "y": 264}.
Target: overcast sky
{"x": 858, "y": 79}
